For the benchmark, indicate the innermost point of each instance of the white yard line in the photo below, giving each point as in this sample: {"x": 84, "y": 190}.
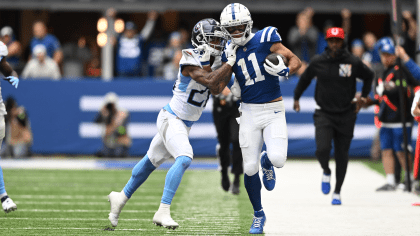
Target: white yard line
{"x": 297, "y": 206}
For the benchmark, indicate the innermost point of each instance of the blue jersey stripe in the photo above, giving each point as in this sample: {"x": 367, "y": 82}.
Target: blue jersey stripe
{"x": 233, "y": 11}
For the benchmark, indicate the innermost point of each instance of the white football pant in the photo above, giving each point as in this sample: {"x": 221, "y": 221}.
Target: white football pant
{"x": 261, "y": 123}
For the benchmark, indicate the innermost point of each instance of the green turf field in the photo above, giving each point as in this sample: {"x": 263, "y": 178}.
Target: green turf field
{"x": 61, "y": 202}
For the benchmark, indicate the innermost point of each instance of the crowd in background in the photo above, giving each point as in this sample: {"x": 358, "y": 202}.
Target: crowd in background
{"x": 138, "y": 53}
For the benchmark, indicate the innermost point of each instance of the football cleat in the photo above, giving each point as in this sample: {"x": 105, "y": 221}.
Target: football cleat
{"x": 8, "y": 205}
{"x": 269, "y": 176}
{"x": 325, "y": 184}
{"x": 117, "y": 204}
{"x": 258, "y": 223}
{"x": 164, "y": 219}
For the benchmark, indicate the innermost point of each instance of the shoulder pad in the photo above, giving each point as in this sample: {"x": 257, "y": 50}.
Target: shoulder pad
{"x": 190, "y": 57}
{"x": 270, "y": 34}
{"x": 3, "y": 50}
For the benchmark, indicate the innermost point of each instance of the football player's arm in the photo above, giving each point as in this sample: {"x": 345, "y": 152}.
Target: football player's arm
{"x": 9, "y": 73}
{"x": 216, "y": 81}
{"x": 294, "y": 61}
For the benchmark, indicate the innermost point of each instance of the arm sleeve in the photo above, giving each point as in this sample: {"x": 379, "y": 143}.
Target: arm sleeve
{"x": 367, "y": 75}
{"x": 304, "y": 82}
{"x": 147, "y": 29}
{"x": 413, "y": 68}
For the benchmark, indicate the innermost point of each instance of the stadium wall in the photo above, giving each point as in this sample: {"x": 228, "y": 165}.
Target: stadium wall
{"x": 62, "y": 114}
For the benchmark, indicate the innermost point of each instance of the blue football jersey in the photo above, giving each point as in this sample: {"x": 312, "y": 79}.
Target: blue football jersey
{"x": 256, "y": 84}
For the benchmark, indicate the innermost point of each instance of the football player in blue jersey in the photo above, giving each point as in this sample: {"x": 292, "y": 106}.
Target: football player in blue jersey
{"x": 262, "y": 109}
{"x": 190, "y": 94}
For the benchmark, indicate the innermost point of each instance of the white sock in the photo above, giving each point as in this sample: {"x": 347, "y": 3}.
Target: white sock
{"x": 390, "y": 179}
{"x": 3, "y": 195}
{"x": 123, "y": 197}
{"x": 336, "y": 196}
{"x": 326, "y": 178}
{"x": 166, "y": 208}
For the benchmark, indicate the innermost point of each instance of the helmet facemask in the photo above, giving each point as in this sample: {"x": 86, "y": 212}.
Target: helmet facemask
{"x": 245, "y": 32}
{"x": 216, "y": 41}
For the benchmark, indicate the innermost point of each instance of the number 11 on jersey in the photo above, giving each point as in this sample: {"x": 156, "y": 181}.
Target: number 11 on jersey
{"x": 259, "y": 77}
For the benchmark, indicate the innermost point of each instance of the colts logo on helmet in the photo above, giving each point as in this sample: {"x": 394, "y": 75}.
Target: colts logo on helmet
{"x": 197, "y": 27}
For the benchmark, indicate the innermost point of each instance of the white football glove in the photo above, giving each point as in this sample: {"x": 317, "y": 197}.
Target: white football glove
{"x": 230, "y": 52}
{"x": 205, "y": 57}
{"x": 277, "y": 70}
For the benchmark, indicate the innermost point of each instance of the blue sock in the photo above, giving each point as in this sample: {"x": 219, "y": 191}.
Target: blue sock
{"x": 173, "y": 178}
{"x": 265, "y": 162}
{"x": 2, "y": 189}
{"x": 253, "y": 187}
{"x": 140, "y": 173}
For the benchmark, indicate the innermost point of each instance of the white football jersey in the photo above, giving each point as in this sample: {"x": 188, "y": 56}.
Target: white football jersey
{"x": 190, "y": 98}
{"x": 3, "y": 53}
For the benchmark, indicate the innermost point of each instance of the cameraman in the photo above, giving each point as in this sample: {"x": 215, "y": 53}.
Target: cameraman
{"x": 115, "y": 138}
{"x": 18, "y": 140}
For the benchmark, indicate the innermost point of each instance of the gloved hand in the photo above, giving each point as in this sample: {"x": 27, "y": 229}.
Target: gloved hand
{"x": 14, "y": 81}
{"x": 277, "y": 70}
{"x": 230, "y": 51}
{"x": 205, "y": 57}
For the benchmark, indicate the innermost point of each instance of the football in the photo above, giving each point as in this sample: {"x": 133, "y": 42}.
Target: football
{"x": 273, "y": 58}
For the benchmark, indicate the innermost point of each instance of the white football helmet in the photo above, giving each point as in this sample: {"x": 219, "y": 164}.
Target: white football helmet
{"x": 232, "y": 18}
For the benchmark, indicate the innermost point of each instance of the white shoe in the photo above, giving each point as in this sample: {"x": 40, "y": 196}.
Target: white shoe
{"x": 164, "y": 219}
{"x": 9, "y": 205}
{"x": 117, "y": 203}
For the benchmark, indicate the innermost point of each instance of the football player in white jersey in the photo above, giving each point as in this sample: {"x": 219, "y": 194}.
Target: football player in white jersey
{"x": 262, "y": 109}
{"x": 190, "y": 94}
{"x": 11, "y": 76}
